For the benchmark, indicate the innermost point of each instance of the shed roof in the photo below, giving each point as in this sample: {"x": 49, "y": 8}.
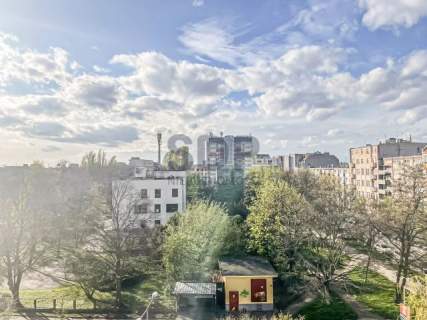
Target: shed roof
{"x": 194, "y": 288}
{"x": 247, "y": 266}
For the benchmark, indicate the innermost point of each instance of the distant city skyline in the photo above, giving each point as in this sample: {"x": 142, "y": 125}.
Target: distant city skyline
{"x": 301, "y": 76}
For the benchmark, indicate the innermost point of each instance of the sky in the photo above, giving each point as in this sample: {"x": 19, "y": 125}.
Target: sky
{"x": 300, "y": 75}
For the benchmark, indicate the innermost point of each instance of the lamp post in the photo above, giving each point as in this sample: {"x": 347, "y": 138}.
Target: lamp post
{"x": 155, "y": 295}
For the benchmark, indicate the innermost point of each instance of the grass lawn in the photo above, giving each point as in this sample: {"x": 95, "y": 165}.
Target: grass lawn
{"x": 135, "y": 296}
{"x": 336, "y": 310}
{"x": 377, "y": 294}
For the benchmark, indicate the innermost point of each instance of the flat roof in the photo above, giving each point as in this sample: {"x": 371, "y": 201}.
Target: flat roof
{"x": 247, "y": 266}
{"x": 195, "y": 288}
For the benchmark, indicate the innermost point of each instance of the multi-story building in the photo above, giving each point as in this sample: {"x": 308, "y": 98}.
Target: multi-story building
{"x": 226, "y": 154}
{"x": 293, "y": 162}
{"x": 342, "y": 173}
{"x": 368, "y": 164}
{"x": 157, "y": 194}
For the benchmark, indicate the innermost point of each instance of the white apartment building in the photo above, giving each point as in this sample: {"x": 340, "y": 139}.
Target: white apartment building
{"x": 158, "y": 194}
{"x": 342, "y": 174}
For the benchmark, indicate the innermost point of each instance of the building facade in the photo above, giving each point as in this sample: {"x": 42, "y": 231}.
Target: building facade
{"x": 342, "y": 174}
{"x": 293, "y": 162}
{"x": 156, "y": 194}
{"x": 371, "y": 165}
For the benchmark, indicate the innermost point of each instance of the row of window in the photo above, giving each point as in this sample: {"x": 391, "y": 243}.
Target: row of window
{"x": 365, "y": 183}
{"x": 363, "y": 171}
{"x": 143, "y": 208}
{"x": 158, "y": 193}
{"x": 361, "y": 161}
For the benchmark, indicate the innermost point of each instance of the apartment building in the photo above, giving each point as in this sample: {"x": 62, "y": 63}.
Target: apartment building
{"x": 157, "y": 194}
{"x": 342, "y": 173}
{"x": 391, "y": 171}
{"x": 370, "y": 164}
{"x": 293, "y": 162}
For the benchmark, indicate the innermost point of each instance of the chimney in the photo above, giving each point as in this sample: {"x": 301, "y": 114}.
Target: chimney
{"x": 159, "y": 144}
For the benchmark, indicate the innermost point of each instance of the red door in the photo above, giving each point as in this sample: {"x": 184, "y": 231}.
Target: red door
{"x": 234, "y": 300}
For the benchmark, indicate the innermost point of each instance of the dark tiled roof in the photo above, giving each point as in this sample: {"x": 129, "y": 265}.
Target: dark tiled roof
{"x": 247, "y": 266}
{"x": 194, "y": 288}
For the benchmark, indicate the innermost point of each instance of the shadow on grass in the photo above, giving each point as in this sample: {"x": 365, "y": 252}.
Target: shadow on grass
{"x": 377, "y": 293}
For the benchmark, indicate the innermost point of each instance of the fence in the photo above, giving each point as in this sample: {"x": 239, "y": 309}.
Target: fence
{"x": 55, "y": 304}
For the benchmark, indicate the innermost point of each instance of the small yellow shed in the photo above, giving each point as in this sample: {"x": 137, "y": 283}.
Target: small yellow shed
{"x": 248, "y": 283}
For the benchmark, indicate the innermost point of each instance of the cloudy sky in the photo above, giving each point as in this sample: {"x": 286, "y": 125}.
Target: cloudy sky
{"x": 301, "y": 75}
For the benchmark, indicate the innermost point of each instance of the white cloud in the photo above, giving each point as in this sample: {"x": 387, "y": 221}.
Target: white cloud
{"x": 194, "y": 86}
{"x": 198, "y": 3}
{"x": 392, "y": 13}
{"x": 30, "y": 66}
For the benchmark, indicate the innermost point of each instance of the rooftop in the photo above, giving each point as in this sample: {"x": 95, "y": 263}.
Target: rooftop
{"x": 194, "y": 288}
{"x": 247, "y": 266}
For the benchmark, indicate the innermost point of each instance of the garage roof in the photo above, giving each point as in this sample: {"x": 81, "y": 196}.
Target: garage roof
{"x": 195, "y": 288}
{"x": 247, "y": 266}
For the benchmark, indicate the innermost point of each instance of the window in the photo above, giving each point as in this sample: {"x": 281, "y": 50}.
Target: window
{"x": 171, "y": 207}
{"x": 175, "y": 193}
{"x": 157, "y": 208}
{"x": 157, "y": 222}
{"x": 141, "y": 208}
{"x": 157, "y": 193}
{"x": 258, "y": 290}
{"x": 144, "y": 194}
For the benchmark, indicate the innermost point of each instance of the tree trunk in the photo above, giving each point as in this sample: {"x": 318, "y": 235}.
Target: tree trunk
{"x": 119, "y": 301}
{"x": 368, "y": 263}
{"x": 14, "y": 284}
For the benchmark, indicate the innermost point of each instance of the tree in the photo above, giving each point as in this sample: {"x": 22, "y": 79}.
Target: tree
{"x": 198, "y": 189}
{"x": 277, "y": 223}
{"x": 195, "y": 240}
{"x": 26, "y": 213}
{"x": 97, "y": 159}
{"x": 255, "y": 177}
{"x": 403, "y": 222}
{"x": 179, "y": 159}
{"x": 367, "y": 232}
{"x": 114, "y": 251}
{"x": 333, "y": 221}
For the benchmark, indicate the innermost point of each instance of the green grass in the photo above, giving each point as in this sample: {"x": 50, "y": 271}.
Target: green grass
{"x": 337, "y": 309}
{"x": 135, "y": 297}
{"x": 377, "y": 294}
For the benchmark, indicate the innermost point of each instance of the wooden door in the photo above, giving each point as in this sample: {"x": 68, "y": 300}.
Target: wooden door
{"x": 234, "y": 300}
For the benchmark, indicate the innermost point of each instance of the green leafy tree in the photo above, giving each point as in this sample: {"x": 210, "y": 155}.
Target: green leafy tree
{"x": 198, "y": 189}
{"x": 179, "y": 159}
{"x": 277, "y": 223}
{"x": 417, "y": 298}
{"x": 195, "y": 240}
{"x": 255, "y": 177}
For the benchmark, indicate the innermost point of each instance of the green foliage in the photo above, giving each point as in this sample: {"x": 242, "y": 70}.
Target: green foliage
{"x": 377, "y": 294}
{"x": 179, "y": 159}
{"x": 277, "y": 223}
{"x": 196, "y": 240}
{"x": 337, "y": 309}
{"x": 417, "y": 298}
{"x": 198, "y": 188}
{"x": 230, "y": 194}
{"x": 255, "y": 177}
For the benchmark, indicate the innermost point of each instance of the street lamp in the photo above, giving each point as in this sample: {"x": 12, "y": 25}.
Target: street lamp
{"x": 155, "y": 295}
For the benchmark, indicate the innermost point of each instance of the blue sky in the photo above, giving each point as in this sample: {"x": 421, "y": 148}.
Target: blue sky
{"x": 300, "y": 75}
